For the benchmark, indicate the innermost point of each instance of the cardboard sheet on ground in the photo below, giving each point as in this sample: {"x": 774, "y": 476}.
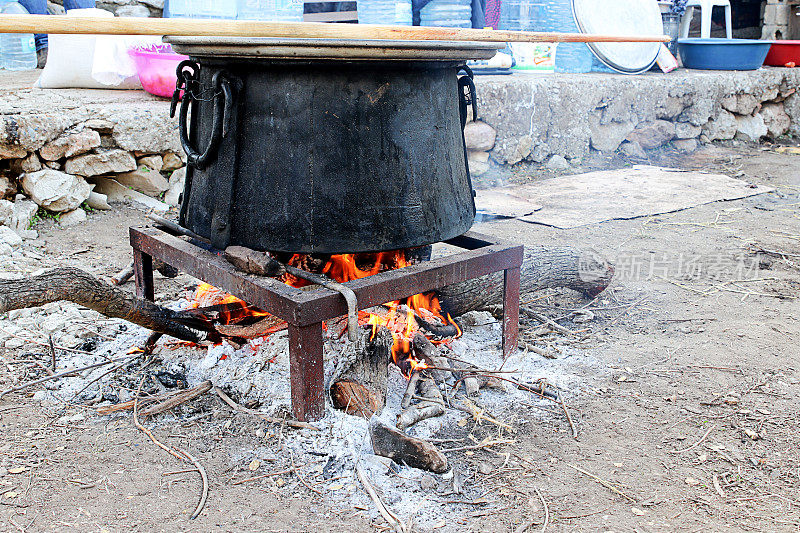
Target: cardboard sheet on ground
{"x": 504, "y": 202}
{"x": 581, "y": 199}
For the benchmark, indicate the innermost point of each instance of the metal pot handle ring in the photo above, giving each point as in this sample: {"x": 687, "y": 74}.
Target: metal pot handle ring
{"x": 223, "y": 100}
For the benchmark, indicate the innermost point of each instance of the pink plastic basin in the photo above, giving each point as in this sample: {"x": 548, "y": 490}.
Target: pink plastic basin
{"x": 156, "y": 66}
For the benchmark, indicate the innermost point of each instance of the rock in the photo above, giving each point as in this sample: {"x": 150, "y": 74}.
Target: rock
{"x": 557, "y": 162}
{"x": 154, "y": 162}
{"x": 6, "y": 212}
{"x": 522, "y": 150}
{"x": 173, "y": 195}
{"x": 99, "y": 125}
{"x": 608, "y": 137}
{"x": 723, "y": 127}
{"x": 156, "y": 4}
{"x": 178, "y": 175}
{"x": 791, "y": 106}
{"x": 24, "y": 214}
{"x": 117, "y": 192}
{"x": 687, "y": 130}
{"x": 5, "y": 250}
{"x": 132, "y": 11}
{"x": 11, "y": 151}
{"x": 69, "y": 145}
{"x": 653, "y": 134}
{"x": 633, "y": 149}
{"x": 106, "y": 162}
{"x": 479, "y": 136}
{"x": 30, "y": 163}
{"x": 685, "y": 145}
{"x": 8, "y": 187}
{"x": 776, "y": 119}
{"x": 72, "y": 218}
{"x": 171, "y": 161}
{"x": 145, "y": 130}
{"x": 741, "y": 104}
{"x": 144, "y": 180}
{"x": 56, "y": 191}
{"x": 97, "y": 200}
{"x": 751, "y": 127}
{"x": 55, "y": 165}
{"x": 9, "y": 237}
{"x": 55, "y": 9}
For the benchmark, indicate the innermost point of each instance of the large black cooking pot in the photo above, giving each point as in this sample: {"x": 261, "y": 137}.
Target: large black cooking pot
{"x": 326, "y": 147}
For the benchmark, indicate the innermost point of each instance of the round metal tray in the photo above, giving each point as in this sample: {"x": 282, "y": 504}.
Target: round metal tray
{"x": 336, "y": 49}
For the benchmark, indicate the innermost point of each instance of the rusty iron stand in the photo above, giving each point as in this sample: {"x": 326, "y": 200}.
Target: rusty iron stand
{"x": 305, "y": 311}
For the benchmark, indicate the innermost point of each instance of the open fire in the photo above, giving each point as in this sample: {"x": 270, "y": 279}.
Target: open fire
{"x": 403, "y": 318}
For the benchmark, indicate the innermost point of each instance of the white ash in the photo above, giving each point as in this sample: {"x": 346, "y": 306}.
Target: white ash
{"x": 259, "y": 373}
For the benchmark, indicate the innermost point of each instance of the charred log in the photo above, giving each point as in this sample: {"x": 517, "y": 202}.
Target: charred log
{"x": 542, "y": 268}
{"x": 399, "y": 447}
{"x": 359, "y": 383}
{"x": 432, "y": 405}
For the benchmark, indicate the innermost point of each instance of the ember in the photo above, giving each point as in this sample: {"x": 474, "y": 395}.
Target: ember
{"x": 401, "y": 317}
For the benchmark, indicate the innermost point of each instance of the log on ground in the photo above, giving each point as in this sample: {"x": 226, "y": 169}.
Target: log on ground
{"x": 542, "y": 268}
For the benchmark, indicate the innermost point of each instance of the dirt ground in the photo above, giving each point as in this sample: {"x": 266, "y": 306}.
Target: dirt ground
{"x": 694, "y": 427}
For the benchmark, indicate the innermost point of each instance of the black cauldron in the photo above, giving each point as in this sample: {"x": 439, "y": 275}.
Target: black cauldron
{"x": 326, "y": 147}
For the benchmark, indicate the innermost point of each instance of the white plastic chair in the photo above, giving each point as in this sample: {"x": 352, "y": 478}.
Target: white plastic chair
{"x": 705, "y": 7}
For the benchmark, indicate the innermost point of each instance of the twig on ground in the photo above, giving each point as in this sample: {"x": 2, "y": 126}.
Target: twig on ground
{"x": 272, "y": 420}
{"x": 607, "y": 484}
{"x": 569, "y": 418}
{"x": 300, "y": 477}
{"x": 39, "y": 343}
{"x": 123, "y": 275}
{"x": 175, "y": 452}
{"x": 696, "y": 444}
{"x": 392, "y": 519}
{"x": 52, "y": 352}
{"x": 65, "y": 373}
{"x": 177, "y": 399}
{"x": 546, "y": 509}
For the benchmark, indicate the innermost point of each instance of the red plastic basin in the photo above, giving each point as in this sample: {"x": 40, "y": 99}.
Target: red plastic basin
{"x": 156, "y": 66}
{"x": 783, "y": 52}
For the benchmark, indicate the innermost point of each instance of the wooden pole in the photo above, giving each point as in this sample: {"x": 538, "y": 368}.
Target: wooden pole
{"x": 62, "y": 24}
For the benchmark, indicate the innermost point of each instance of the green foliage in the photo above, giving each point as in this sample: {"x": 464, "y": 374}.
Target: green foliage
{"x": 43, "y": 214}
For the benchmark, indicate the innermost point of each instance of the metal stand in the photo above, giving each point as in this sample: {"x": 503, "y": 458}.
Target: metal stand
{"x": 305, "y": 311}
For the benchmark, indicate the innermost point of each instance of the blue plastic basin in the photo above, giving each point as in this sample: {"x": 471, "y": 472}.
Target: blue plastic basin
{"x": 723, "y": 54}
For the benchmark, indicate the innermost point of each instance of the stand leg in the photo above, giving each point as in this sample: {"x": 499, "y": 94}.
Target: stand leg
{"x": 510, "y": 311}
{"x": 306, "y": 372}
{"x": 143, "y": 271}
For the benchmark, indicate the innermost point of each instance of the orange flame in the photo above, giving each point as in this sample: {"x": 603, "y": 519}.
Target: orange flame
{"x": 400, "y": 318}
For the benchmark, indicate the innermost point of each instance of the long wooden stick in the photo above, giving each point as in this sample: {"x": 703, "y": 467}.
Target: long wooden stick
{"x": 301, "y": 30}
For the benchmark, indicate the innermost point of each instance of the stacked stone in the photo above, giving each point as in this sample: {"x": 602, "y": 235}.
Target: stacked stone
{"x": 85, "y": 165}
{"x": 556, "y": 121}
{"x": 777, "y": 19}
{"x": 121, "y": 8}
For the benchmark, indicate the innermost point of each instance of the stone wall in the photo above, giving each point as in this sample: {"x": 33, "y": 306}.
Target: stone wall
{"x": 779, "y": 19}
{"x": 538, "y": 116}
{"x": 121, "y": 8}
{"x": 65, "y": 151}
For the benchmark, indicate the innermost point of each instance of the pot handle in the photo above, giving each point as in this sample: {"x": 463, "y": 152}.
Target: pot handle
{"x": 223, "y": 100}
{"x": 466, "y": 95}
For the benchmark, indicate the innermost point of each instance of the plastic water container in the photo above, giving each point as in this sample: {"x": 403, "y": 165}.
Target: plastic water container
{"x": 271, "y": 10}
{"x": 202, "y": 9}
{"x": 447, "y": 13}
{"x": 17, "y": 50}
{"x": 549, "y": 16}
{"x": 394, "y": 12}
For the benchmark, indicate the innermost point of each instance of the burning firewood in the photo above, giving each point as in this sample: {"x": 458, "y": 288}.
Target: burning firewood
{"x": 399, "y": 447}
{"x": 359, "y": 383}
